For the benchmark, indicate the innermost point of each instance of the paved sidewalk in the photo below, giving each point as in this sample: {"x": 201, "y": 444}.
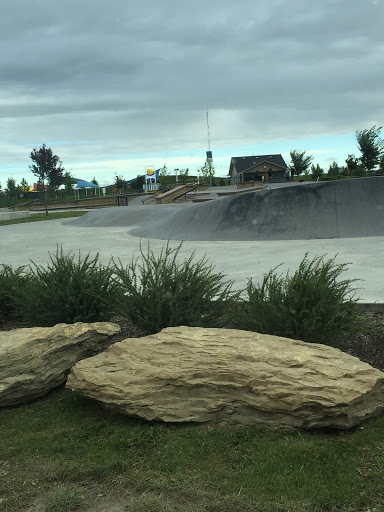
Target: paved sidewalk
{"x": 239, "y": 260}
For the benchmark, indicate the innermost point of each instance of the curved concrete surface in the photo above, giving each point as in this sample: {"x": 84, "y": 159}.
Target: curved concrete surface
{"x": 239, "y": 260}
{"x": 338, "y": 209}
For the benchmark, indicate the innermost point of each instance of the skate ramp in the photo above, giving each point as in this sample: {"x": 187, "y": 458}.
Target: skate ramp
{"x": 339, "y": 209}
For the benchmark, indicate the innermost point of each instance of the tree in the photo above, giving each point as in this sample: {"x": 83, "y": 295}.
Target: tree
{"x": 47, "y": 167}
{"x": 138, "y": 184}
{"x": 24, "y": 186}
{"x": 208, "y": 172}
{"x": 381, "y": 166}
{"x": 68, "y": 182}
{"x": 119, "y": 182}
{"x": 334, "y": 169}
{"x": 371, "y": 146}
{"x": 316, "y": 171}
{"x": 183, "y": 176}
{"x": 11, "y": 187}
{"x": 56, "y": 178}
{"x": 300, "y": 162}
{"x": 163, "y": 177}
{"x": 95, "y": 182}
{"x": 352, "y": 164}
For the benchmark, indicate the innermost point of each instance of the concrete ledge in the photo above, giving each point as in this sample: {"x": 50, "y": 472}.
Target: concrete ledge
{"x": 14, "y": 215}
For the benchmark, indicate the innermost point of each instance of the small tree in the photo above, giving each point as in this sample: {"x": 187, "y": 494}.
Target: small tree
{"x": 11, "y": 187}
{"x": 163, "y": 177}
{"x": 47, "y": 167}
{"x": 119, "y": 182}
{"x": 334, "y": 169}
{"x": 208, "y": 172}
{"x": 56, "y": 178}
{"x": 352, "y": 164}
{"x": 300, "y": 162}
{"x": 371, "y": 146}
{"x": 381, "y": 166}
{"x": 68, "y": 182}
{"x": 95, "y": 182}
{"x": 24, "y": 186}
{"x": 316, "y": 172}
{"x": 183, "y": 176}
{"x": 138, "y": 184}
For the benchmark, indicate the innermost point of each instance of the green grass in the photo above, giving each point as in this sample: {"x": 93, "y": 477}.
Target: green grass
{"x": 36, "y": 217}
{"x": 72, "y": 446}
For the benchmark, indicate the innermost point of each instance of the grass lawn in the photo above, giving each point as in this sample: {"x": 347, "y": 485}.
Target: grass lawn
{"x": 65, "y": 452}
{"x": 36, "y": 217}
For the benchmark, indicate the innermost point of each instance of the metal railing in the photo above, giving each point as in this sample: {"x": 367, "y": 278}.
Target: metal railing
{"x": 146, "y": 199}
{"x": 185, "y": 193}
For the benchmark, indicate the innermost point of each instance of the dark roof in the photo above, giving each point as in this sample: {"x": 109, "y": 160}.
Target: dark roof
{"x": 242, "y": 163}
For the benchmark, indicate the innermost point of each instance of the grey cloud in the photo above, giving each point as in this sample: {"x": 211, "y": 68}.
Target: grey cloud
{"x": 136, "y": 76}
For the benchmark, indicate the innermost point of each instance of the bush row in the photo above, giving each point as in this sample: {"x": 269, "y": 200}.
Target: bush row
{"x": 157, "y": 291}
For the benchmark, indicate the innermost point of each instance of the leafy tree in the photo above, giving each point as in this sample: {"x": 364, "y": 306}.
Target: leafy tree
{"x": 12, "y": 187}
{"x": 334, "y": 169}
{"x": 68, "y": 182}
{"x": 119, "y": 182}
{"x": 56, "y": 178}
{"x": 300, "y": 162}
{"x": 381, "y": 166}
{"x": 163, "y": 174}
{"x": 371, "y": 146}
{"x": 47, "y": 167}
{"x": 208, "y": 172}
{"x": 95, "y": 182}
{"x": 183, "y": 176}
{"x": 316, "y": 171}
{"x": 138, "y": 184}
{"x": 352, "y": 164}
{"x": 24, "y": 186}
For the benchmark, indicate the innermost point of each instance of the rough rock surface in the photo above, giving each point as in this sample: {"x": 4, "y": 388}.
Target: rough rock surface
{"x": 34, "y": 361}
{"x": 231, "y": 377}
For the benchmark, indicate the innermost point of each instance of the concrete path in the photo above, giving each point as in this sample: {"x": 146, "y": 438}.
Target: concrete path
{"x": 239, "y": 260}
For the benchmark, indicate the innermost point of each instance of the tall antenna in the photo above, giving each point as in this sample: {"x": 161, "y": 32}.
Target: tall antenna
{"x": 209, "y": 142}
{"x": 209, "y": 152}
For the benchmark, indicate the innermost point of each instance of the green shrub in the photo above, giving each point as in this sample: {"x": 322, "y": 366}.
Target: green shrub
{"x": 68, "y": 290}
{"x": 11, "y": 283}
{"x": 313, "y": 305}
{"x": 161, "y": 292}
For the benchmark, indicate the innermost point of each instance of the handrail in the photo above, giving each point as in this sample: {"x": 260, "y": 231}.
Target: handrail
{"x": 185, "y": 193}
{"x": 148, "y": 198}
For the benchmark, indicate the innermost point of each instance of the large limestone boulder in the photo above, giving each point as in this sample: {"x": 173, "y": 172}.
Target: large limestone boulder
{"x": 231, "y": 377}
{"x": 34, "y": 361}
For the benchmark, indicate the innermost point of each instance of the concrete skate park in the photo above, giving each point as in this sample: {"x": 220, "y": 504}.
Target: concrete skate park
{"x": 244, "y": 235}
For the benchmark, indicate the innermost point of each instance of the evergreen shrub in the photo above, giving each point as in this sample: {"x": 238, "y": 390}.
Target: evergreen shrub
{"x": 68, "y": 290}
{"x": 12, "y": 282}
{"x": 161, "y": 291}
{"x": 312, "y": 305}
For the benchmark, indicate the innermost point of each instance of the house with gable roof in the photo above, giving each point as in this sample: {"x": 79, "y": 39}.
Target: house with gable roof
{"x": 254, "y": 168}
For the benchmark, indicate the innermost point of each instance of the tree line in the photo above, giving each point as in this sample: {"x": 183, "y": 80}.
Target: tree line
{"x": 371, "y": 146}
{"x": 50, "y": 173}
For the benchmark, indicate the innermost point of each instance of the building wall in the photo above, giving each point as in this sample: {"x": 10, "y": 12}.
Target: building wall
{"x": 278, "y": 174}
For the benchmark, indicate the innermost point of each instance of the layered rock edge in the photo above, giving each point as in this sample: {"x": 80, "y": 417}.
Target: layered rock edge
{"x": 35, "y": 360}
{"x": 224, "y": 376}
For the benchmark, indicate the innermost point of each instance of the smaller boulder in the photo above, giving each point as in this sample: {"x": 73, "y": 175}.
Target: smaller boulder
{"x": 36, "y": 360}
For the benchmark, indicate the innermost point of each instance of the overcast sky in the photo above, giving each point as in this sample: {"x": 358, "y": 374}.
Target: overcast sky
{"x": 118, "y": 85}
